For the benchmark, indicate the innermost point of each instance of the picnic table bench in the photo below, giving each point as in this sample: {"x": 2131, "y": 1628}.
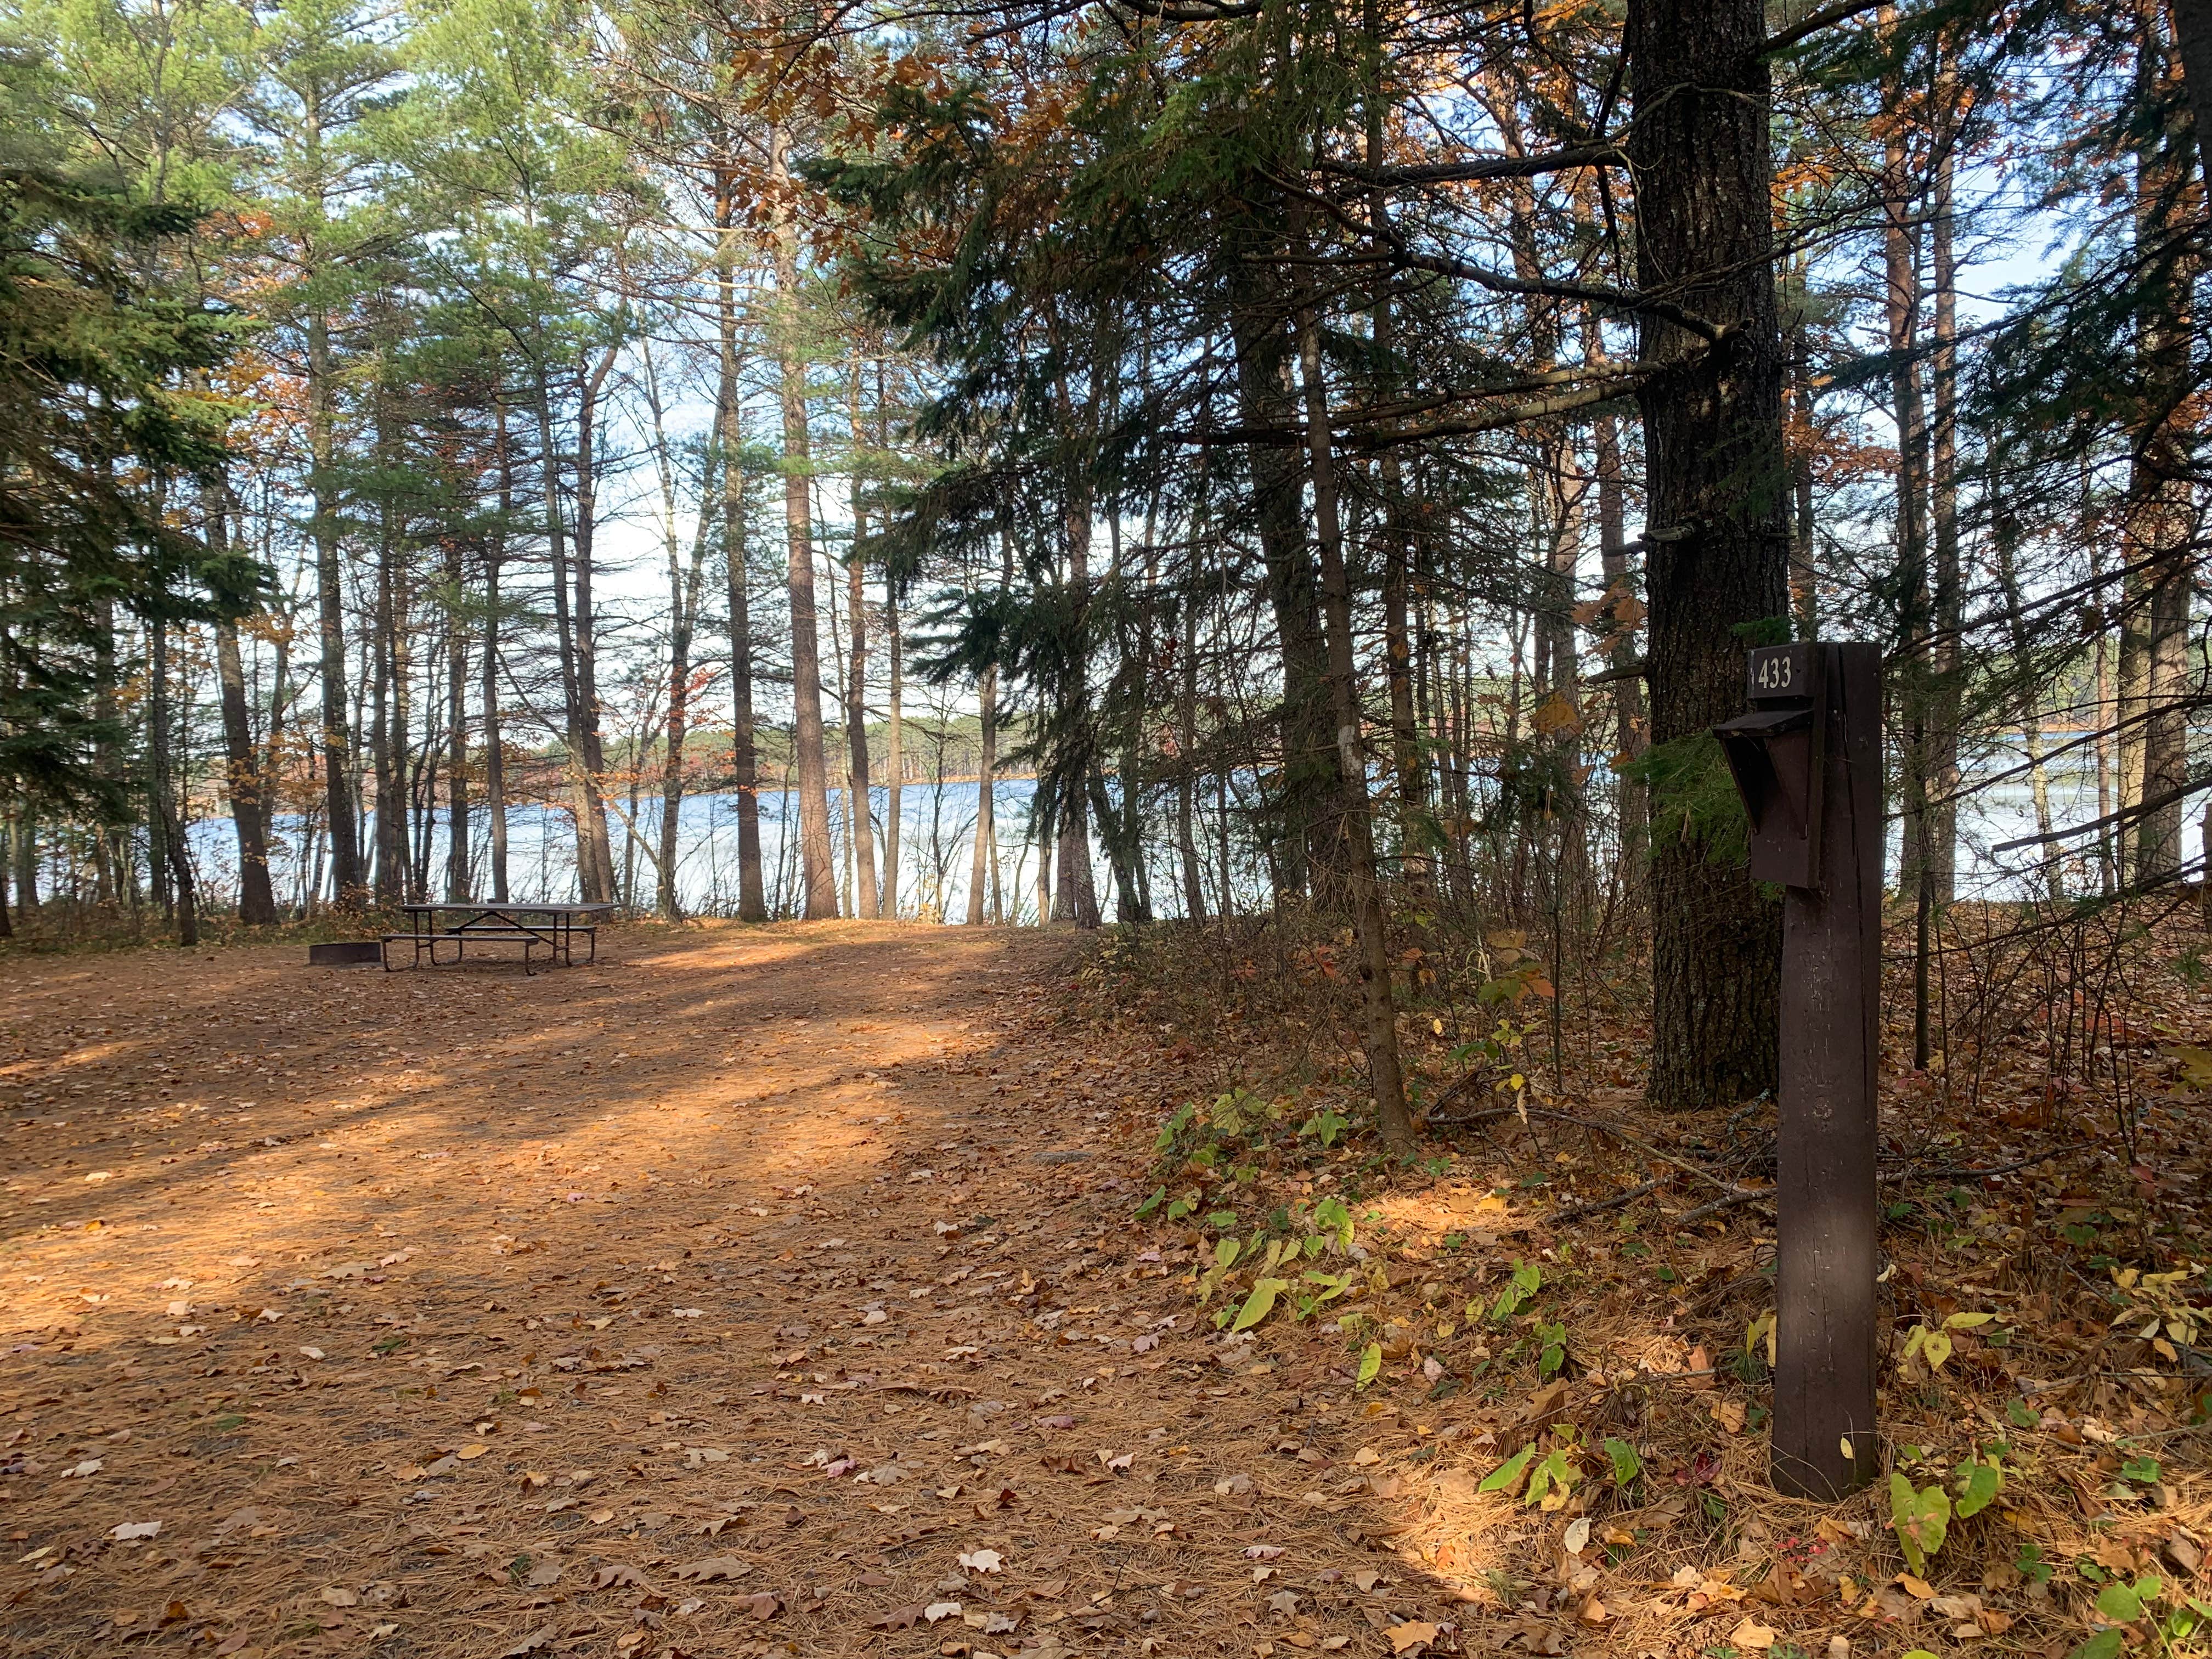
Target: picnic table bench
{"x": 552, "y": 928}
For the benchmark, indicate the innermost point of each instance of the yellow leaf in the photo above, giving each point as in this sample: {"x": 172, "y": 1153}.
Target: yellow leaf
{"x": 1404, "y": 1639}
{"x": 475, "y": 1449}
{"x": 1753, "y": 1634}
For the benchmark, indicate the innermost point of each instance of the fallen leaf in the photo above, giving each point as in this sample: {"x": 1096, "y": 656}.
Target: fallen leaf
{"x": 1404, "y": 1639}
{"x": 539, "y": 1641}
{"x": 712, "y": 1567}
{"x": 1753, "y": 1634}
{"x": 130, "y": 1530}
{"x": 983, "y": 1561}
{"x": 937, "y": 1610}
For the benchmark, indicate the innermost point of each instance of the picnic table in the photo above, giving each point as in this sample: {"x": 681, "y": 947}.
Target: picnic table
{"x": 552, "y": 928}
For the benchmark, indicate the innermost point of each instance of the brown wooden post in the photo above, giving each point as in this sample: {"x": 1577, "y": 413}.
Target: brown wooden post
{"x": 1808, "y": 763}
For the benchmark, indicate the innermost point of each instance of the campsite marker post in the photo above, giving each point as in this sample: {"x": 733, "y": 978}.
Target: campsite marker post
{"x": 1808, "y": 762}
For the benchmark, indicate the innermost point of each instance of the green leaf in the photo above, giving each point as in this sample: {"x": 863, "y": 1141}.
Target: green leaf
{"x": 1982, "y": 1483}
{"x": 1370, "y": 1364}
{"x": 2021, "y": 1415}
{"x": 2105, "y": 1644}
{"x": 1508, "y": 1472}
{"x": 1159, "y": 1197}
{"x": 1260, "y": 1303}
{"x": 2120, "y": 1603}
{"x": 1921, "y": 1518}
{"x": 1225, "y": 1252}
{"x": 1326, "y": 1125}
{"x": 1626, "y": 1465}
{"x": 1557, "y": 1470}
{"x": 2143, "y": 1471}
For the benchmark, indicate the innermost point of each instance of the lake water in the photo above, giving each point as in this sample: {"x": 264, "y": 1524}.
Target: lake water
{"x": 938, "y": 825}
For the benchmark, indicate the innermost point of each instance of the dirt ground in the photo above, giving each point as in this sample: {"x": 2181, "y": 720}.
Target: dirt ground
{"x": 814, "y": 1290}
{"x": 750, "y": 1290}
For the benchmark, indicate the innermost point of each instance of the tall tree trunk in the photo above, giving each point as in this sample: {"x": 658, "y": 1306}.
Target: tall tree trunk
{"x": 1075, "y": 896}
{"x": 1379, "y": 1028}
{"x": 1194, "y": 878}
{"x": 564, "y": 636}
{"x": 856, "y": 697}
{"x": 168, "y": 820}
{"x": 257, "y": 898}
{"x": 1307, "y": 780}
{"x": 744, "y": 743}
{"x": 684, "y": 583}
{"x": 979, "y": 864}
{"x": 1715, "y": 481}
{"x": 1918, "y": 873}
{"x": 592, "y": 746}
{"x": 330, "y": 593}
{"x": 1630, "y": 730}
{"x": 23, "y": 850}
{"x": 1804, "y": 554}
{"x": 1946, "y": 693}
{"x": 457, "y": 726}
{"x": 894, "y": 749}
{"x": 2160, "y": 532}
{"x": 817, "y": 858}
{"x": 387, "y": 755}
{"x": 494, "y": 734}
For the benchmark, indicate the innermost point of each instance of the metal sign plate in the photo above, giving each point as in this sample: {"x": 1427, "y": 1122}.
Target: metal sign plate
{"x": 1781, "y": 673}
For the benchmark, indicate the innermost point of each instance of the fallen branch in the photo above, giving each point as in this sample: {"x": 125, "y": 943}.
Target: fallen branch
{"x": 1582, "y": 1211}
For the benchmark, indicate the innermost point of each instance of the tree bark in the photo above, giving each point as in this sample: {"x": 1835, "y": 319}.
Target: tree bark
{"x": 818, "y": 864}
{"x": 1379, "y": 1027}
{"x": 168, "y": 819}
{"x": 1946, "y": 662}
{"x": 979, "y": 864}
{"x": 593, "y": 750}
{"x": 1630, "y": 727}
{"x": 856, "y": 697}
{"x": 1307, "y": 779}
{"x": 744, "y": 743}
{"x": 257, "y": 898}
{"x": 2159, "y": 531}
{"x": 494, "y": 735}
{"x": 330, "y": 595}
{"x": 1716, "y": 482}
{"x": 894, "y": 753}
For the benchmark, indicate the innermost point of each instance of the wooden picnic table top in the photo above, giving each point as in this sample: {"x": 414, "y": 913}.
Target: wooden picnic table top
{"x": 501, "y": 906}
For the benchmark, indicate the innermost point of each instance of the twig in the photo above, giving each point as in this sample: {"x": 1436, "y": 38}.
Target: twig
{"x": 1960, "y": 1171}
{"x": 1560, "y": 1218}
{"x": 1737, "y": 1195}
{"x": 1600, "y": 1124}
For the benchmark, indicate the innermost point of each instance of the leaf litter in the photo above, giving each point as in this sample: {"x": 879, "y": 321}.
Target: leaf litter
{"x": 551, "y": 1328}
